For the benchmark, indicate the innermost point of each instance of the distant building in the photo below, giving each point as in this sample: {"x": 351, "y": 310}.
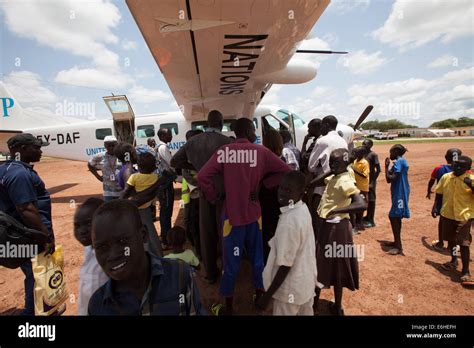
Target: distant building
{"x": 423, "y": 132}
{"x": 464, "y": 131}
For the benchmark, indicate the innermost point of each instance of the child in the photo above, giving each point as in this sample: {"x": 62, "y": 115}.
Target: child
{"x": 456, "y": 193}
{"x": 361, "y": 170}
{"x": 177, "y": 238}
{"x": 140, "y": 182}
{"x": 290, "y": 274}
{"x": 340, "y": 198}
{"x": 140, "y": 283}
{"x": 91, "y": 275}
{"x": 397, "y": 176}
{"x": 438, "y": 172}
{"x": 374, "y": 164}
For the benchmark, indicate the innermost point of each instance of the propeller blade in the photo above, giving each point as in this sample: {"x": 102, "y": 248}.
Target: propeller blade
{"x": 363, "y": 116}
{"x": 320, "y": 52}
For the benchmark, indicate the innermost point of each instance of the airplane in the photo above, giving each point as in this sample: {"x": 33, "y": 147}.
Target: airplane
{"x": 217, "y": 55}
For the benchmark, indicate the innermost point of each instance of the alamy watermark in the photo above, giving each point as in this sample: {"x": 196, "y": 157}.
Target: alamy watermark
{"x": 400, "y": 109}
{"x": 237, "y": 156}
{"x": 343, "y": 251}
{"x": 22, "y": 251}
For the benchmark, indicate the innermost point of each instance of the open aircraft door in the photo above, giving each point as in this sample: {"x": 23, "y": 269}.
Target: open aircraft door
{"x": 123, "y": 116}
{"x": 275, "y": 122}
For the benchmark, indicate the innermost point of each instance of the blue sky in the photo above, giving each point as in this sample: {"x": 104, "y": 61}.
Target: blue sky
{"x": 414, "y": 60}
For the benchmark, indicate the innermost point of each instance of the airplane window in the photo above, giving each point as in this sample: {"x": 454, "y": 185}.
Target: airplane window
{"x": 146, "y": 131}
{"x": 171, "y": 126}
{"x": 298, "y": 121}
{"x": 198, "y": 125}
{"x": 101, "y": 133}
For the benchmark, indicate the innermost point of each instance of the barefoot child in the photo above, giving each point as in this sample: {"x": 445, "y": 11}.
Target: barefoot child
{"x": 177, "y": 238}
{"x": 91, "y": 275}
{"x": 455, "y": 191}
{"x": 374, "y": 165}
{"x": 341, "y": 198}
{"x": 361, "y": 170}
{"x": 397, "y": 176}
{"x": 290, "y": 274}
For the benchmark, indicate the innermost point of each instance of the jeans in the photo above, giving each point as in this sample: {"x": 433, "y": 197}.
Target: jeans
{"x": 29, "y": 288}
{"x": 166, "y": 198}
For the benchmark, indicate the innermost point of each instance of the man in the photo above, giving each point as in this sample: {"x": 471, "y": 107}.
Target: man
{"x": 151, "y": 143}
{"x": 193, "y": 156}
{"x": 110, "y": 166}
{"x": 314, "y": 131}
{"x": 319, "y": 161}
{"x": 166, "y": 194}
{"x": 374, "y": 165}
{"x": 436, "y": 175}
{"x": 24, "y": 197}
{"x": 244, "y": 167}
{"x": 290, "y": 152}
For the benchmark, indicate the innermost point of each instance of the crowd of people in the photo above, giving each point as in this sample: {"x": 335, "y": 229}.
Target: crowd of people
{"x": 281, "y": 207}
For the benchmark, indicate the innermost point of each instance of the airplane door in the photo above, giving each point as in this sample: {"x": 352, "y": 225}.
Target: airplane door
{"x": 123, "y": 116}
{"x": 274, "y": 122}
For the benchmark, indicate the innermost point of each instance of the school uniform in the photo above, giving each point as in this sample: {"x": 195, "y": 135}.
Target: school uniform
{"x": 437, "y": 174}
{"x": 457, "y": 209}
{"x": 333, "y": 270}
{"x": 293, "y": 246}
{"x": 400, "y": 190}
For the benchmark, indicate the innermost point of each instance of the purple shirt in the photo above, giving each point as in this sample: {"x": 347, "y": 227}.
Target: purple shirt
{"x": 244, "y": 167}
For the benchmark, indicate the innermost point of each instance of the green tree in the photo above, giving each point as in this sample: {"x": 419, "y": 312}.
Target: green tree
{"x": 452, "y": 122}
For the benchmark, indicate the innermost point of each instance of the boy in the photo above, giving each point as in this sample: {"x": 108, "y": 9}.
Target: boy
{"x": 140, "y": 182}
{"x": 361, "y": 170}
{"x": 290, "y": 274}
{"x": 397, "y": 176}
{"x": 455, "y": 191}
{"x": 177, "y": 238}
{"x": 141, "y": 283}
{"x": 438, "y": 172}
{"x": 341, "y": 197}
{"x": 92, "y": 276}
{"x": 374, "y": 165}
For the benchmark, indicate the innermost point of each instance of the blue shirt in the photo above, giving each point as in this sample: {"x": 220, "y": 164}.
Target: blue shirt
{"x": 20, "y": 184}
{"x": 164, "y": 296}
{"x": 400, "y": 189}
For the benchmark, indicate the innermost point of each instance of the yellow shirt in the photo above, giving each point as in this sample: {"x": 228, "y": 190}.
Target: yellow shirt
{"x": 458, "y": 199}
{"x": 363, "y": 167}
{"x": 141, "y": 182}
{"x": 337, "y": 194}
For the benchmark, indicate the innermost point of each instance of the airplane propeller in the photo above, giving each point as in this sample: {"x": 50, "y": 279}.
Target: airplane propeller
{"x": 363, "y": 116}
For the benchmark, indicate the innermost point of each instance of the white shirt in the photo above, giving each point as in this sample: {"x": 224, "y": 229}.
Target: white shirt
{"x": 91, "y": 278}
{"x": 319, "y": 159}
{"x": 293, "y": 246}
{"x": 163, "y": 156}
{"x": 290, "y": 158}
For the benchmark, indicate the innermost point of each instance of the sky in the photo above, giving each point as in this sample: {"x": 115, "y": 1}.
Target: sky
{"x": 412, "y": 59}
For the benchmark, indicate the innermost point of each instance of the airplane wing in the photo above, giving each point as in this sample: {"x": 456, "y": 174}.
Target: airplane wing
{"x": 225, "y": 55}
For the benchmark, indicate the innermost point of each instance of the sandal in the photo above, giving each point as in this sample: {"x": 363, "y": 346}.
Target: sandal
{"x": 449, "y": 266}
{"x": 467, "y": 280}
{"x": 395, "y": 251}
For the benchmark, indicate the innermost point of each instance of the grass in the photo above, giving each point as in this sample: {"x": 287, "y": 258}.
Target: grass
{"x": 421, "y": 140}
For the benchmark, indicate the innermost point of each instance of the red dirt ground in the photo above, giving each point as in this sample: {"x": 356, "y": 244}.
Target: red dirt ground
{"x": 389, "y": 285}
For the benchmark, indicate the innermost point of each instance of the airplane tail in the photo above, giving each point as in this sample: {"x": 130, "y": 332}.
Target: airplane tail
{"x": 10, "y": 117}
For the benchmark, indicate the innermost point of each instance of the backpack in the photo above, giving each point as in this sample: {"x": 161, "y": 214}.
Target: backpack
{"x": 15, "y": 234}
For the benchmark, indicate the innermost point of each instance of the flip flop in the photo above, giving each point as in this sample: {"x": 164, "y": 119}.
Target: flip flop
{"x": 395, "y": 251}
{"x": 467, "y": 280}
{"x": 449, "y": 266}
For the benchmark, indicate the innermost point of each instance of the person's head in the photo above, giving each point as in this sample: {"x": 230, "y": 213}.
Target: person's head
{"x": 83, "y": 220}
{"x": 338, "y": 161}
{"x": 177, "y": 237}
{"x": 215, "y": 120}
{"x": 291, "y": 187}
{"x": 110, "y": 142}
{"x": 329, "y": 123}
{"x": 125, "y": 152}
{"x": 165, "y": 135}
{"x": 314, "y": 127}
{"x": 26, "y": 147}
{"x": 244, "y": 128}
{"x": 272, "y": 140}
{"x": 360, "y": 152}
{"x": 396, "y": 151}
{"x": 286, "y": 136}
{"x": 146, "y": 163}
{"x": 151, "y": 142}
{"x": 368, "y": 143}
{"x": 117, "y": 237}
{"x": 462, "y": 165}
{"x": 192, "y": 132}
{"x": 452, "y": 154}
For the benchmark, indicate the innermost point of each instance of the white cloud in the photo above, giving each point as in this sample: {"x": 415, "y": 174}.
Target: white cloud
{"x": 415, "y": 23}
{"x": 360, "y": 62}
{"x": 322, "y": 91}
{"x": 91, "y": 77}
{"x": 140, "y": 94}
{"x": 129, "y": 45}
{"x": 446, "y": 60}
{"x": 344, "y": 6}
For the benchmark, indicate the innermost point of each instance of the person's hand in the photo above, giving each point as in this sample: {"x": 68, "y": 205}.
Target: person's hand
{"x": 49, "y": 248}
{"x": 387, "y": 162}
{"x": 428, "y": 195}
{"x": 434, "y": 211}
{"x": 262, "y": 302}
{"x": 468, "y": 181}
{"x": 306, "y": 138}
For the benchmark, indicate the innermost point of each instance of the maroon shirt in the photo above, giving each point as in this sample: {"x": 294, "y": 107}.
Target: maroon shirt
{"x": 243, "y": 172}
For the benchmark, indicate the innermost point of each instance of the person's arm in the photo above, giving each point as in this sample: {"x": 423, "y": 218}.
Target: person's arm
{"x": 290, "y": 159}
{"x": 319, "y": 180}
{"x": 280, "y": 277}
{"x": 377, "y": 168}
{"x": 180, "y": 159}
{"x": 211, "y": 169}
{"x": 389, "y": 176}
{"x": 358, "y": 205}
{"x": 437, "y": 203}
{"x": 127, "y": 192}
{"x": 150, "y": 193}
{"x": 316, "y": 155}
{"x": 32, "y": 219}
{"x": 94, "y": 172}
{"x": 359, "y": 173}
{"x": 468, "y": 182}
{"x": 430, "y": 186}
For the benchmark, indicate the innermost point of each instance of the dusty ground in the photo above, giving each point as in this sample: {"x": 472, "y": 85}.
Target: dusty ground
{"x": 389, "y": 285}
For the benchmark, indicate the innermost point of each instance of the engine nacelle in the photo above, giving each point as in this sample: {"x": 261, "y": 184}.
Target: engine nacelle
{"x": 296, "y": 71}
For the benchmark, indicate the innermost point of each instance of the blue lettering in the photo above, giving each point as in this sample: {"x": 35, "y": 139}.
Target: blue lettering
{"x": 94, "y": 150}
{"x": 6, "y": 105}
